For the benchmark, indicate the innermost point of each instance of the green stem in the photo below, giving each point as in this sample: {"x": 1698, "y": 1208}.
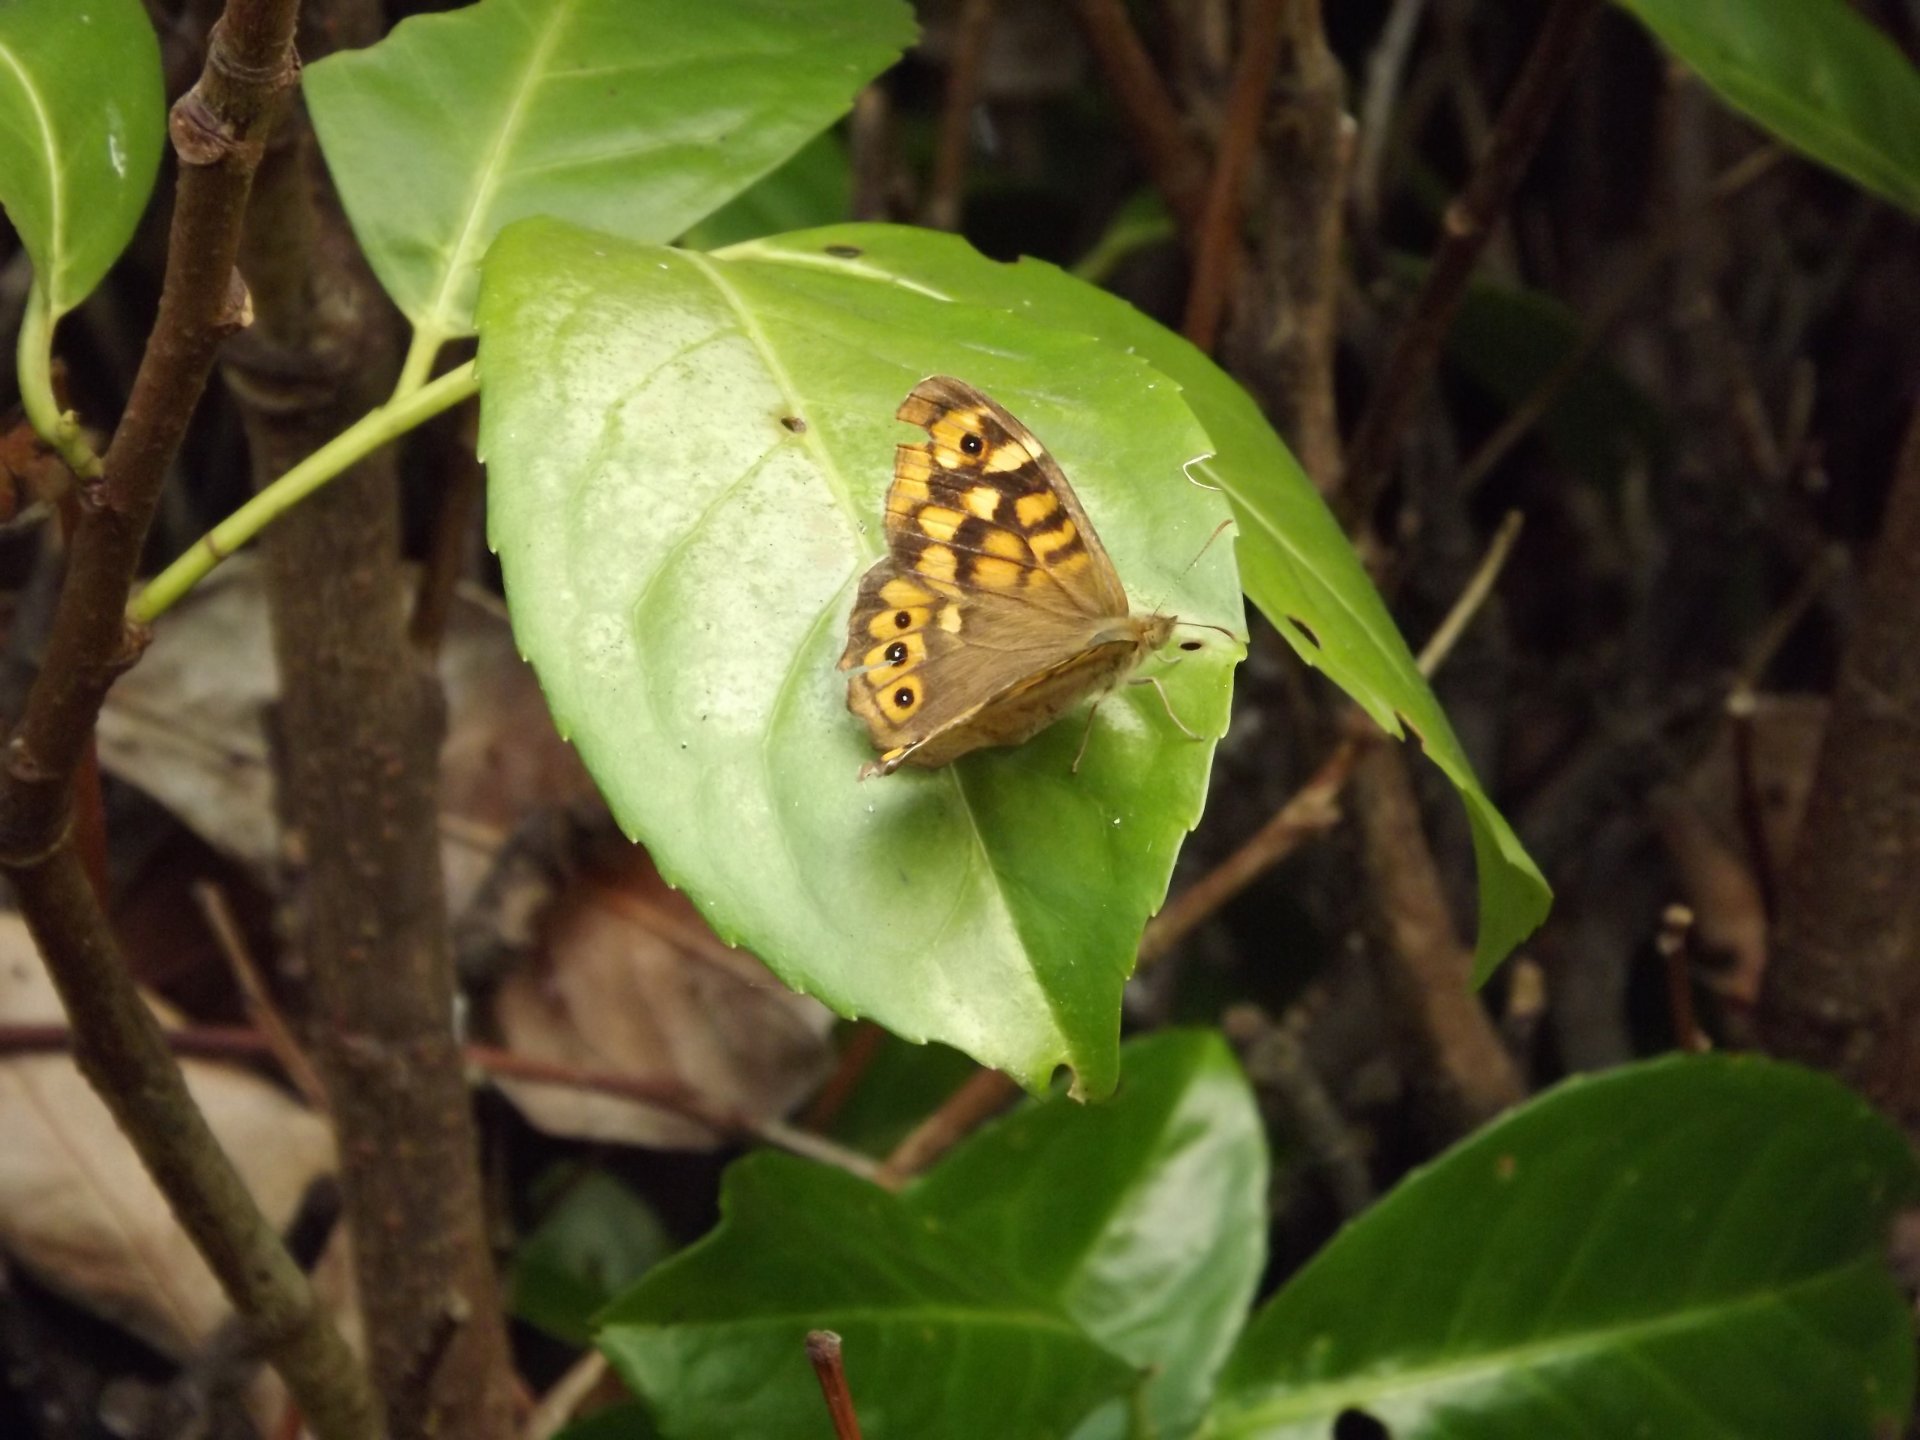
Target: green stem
{"x": 418, "y": 365}
{"x": 60, "y": 429}
{"x": 349, "y": 447}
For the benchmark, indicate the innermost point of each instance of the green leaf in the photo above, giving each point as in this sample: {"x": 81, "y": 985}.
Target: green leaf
{"x": 815, "y": 187}
{"x": 940, "y": 1342}
{"x": 598, "y": 1239}
{"x": 1814, "y": 73}
{"x": 82, "y": 118}
{"x": 1687, "y": 1248}
{"x": 686, "y": 462}
{"x": 1295, "y": 562}
{"x": 1145, "y": 1216}
{"x": 636, "y": 116}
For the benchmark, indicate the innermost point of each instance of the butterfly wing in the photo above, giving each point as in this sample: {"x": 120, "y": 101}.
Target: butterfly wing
{"x": 996, "y": 608}
{"x": 981, "y": 503}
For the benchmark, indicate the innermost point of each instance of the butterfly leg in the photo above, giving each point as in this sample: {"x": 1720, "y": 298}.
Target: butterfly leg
{"x": 1161, "y": 690}
{"x": 1085, "y": 736}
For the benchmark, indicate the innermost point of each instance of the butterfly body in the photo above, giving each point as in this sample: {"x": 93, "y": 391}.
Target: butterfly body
{"x": 995, "y": 610}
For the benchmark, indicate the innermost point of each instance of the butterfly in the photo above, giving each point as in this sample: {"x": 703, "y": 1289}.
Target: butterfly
{"x": 995, "y": 609}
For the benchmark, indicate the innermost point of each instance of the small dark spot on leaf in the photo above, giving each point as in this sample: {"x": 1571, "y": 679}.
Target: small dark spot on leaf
{"x": 844, "y": 252}
{"x": 794, "y": 423}
{"x": 1305, "y": 629}
{"x": 1358, "y": 1425}
{"x": 1191, "y": 645}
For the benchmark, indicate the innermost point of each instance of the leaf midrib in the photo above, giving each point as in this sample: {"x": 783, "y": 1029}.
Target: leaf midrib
{"x": 1319, "y": 1398}
{"x": 868, "y": 546}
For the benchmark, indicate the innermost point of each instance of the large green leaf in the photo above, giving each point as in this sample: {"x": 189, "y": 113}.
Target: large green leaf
{"x": 1688, "y": 1248}
{"x": 941, "y": 1343}
{"x": 687, "y": 457}
{"x": 1145, "y": 1216}
{"x": 82, "y": 117}
{"x": 1294, "y": 561}
{"x": 637, "y": 116}
{"x": 1814, "y": 73}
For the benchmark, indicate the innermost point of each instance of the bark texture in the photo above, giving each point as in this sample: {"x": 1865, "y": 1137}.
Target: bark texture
{"x": 1843, "y": 990}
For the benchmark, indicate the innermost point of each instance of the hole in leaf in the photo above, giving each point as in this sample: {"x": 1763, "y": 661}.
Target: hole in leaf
{"x": 1191, "y": 645}
{"x": 1358, "y": 1425}
{"x": 1305, "y": 629}
{"x": 844, "y": 252}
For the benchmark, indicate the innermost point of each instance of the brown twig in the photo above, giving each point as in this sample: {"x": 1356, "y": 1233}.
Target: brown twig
{"x": 1176, "y": 164}
{"x": 984, "y": 1094}
{"x": 1277, "y": 1063}
{"x": 1217, "y": 249}
{"x": 950, "y": 154}
{"x": 1314, "y": 807}
{"x": 1311, "y": 810}
{"x": 1470, "y": 222}
{"x": 217, "y": 130}
{"x": 1385, "y": 67}
{"x": 862, "y": 1047}
{"x": 1672, "y": 943}
{"x": 823, "y": 1353}
{"x": 237, "y": 1043}
{"x": 258, "y": 999}
{"x": 121, "y": 1049}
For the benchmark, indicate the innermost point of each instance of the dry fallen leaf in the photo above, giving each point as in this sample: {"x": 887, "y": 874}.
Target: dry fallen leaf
{"x": 188, "y": 725}
{"x": 630, "y": 980}
{"x": 77, "y": 1208}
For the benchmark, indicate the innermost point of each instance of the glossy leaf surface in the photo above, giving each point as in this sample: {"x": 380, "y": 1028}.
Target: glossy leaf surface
{"x": 686, "y": 458}
{"x": 1145, "y": 1215}
{"x": 941, "y": 1343}
{"x": 82, "y": 118}
{"x": 1690, "y": 1248}
{"x": 636, "y": 116}
{"x": 1814, "y": 72}
{"x": 1294, "y": 560}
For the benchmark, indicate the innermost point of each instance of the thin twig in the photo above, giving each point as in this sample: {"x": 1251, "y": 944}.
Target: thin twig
{"x": 1176, "y": 164}
{"x": 266, "y": 1016}
{"x": 1310, "y": 810}
{"x": 1385, "y": 67}
{"x": 1217, "y": 249}
{"x": 870, "y": 153}
{"x": 1440, "y": 644}
{"x": 237, "y": 1043}
{"x": 1314, "y": 807}
{"x": 1470, "y": 223}
{"x": 217, "y": 129}
{"x": 985, "y": 1094}
{"x": 970, "y": 34}
{"x": 564, "y": 1397}
{"x": 120, "y": 1048}
{"x": 823, "y": 1353}
{"x": 1611, "y": 309}
{"x": 1676, "y": 930}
